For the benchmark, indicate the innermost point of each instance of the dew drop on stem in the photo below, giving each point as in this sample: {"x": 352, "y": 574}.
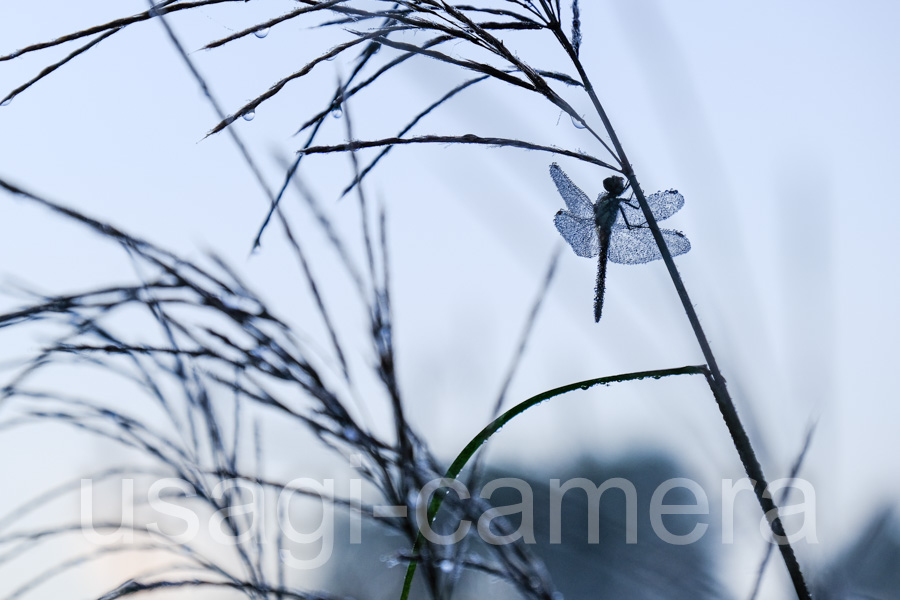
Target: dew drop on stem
{"x": 261, "y": 33}
{"x": 248, "y": 116}
{"x": 350, "y": 433}
{"x": 578, "y": 124}
{"x": 6, "y": 102}
{"x": 446, "y": 566}
{"x": 337, "y": 113}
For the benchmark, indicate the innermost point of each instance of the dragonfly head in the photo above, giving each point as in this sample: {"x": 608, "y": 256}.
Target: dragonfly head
{"x": 614, "y": 185}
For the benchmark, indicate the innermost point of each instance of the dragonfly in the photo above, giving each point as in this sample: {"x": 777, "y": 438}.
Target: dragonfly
{"x": 614, "y": 228}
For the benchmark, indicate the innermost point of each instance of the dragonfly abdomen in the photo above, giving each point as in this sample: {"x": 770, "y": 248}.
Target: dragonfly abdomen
{"x": 602, "y": 260}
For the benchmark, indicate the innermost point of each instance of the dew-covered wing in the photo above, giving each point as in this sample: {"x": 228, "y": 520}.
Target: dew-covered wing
{"x": 637, "y": 246}
{"x": 662, "y": 204}
{"x": 576, "y": 201}
{"x": 579, "y": 232}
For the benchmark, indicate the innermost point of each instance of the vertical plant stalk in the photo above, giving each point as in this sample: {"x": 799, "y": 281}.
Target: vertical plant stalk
{"x": 715, "y": 379}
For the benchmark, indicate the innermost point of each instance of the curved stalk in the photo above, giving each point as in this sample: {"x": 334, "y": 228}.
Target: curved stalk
{"x": 497, "y": 424}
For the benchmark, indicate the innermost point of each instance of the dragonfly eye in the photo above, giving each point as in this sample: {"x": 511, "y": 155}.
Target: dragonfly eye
{"x": 614, "y": 185}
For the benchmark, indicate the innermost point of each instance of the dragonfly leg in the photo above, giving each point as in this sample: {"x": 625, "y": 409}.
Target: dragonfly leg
{"x": 625, "y": 217}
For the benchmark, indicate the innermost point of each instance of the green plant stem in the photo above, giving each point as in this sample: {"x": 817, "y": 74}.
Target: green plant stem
{"x": 472, "y": 447}
{"x": 716, "y": 381}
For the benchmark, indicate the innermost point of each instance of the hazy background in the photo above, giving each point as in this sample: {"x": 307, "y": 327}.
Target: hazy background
{"x": 777, "y": 122}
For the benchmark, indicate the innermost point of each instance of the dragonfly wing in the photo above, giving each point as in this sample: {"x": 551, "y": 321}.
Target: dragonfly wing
{"x": 579, "y": 232}
{"x": 636, "y": 246}
{"x": 577, "y": 201}
{"x": 662, "y": 204}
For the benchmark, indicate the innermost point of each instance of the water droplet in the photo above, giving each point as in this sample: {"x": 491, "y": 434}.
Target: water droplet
{"x": 391, "y": 561}
{"x": 585, "y": 386}
{"x": 337, "y": 113}
{"x": 578, "y": 124}
{"x": 446, "y": 566}
{"x": 261, "y": 33}
{"x": 330, "y": 58}
{"x": 249, "y": 115}
{"x": 6, "y": 102}
{"x": 350, "y": 433}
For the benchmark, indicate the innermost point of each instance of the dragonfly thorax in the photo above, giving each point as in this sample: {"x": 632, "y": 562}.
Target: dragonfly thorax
{"x": 606, "y": 210}
{"x": 607, "y": 206}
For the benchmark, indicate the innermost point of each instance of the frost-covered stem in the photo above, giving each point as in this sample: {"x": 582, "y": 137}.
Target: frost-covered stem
{"x": 714, "y": 378}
